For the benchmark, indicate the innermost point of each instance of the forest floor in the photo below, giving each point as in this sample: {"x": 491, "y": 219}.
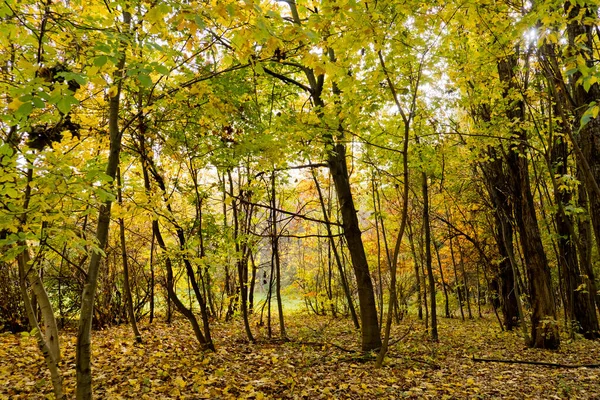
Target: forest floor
{"x": 321, "y": 361}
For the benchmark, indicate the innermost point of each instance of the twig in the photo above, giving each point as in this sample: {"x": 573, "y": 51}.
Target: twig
{"x": 542, "y": 363}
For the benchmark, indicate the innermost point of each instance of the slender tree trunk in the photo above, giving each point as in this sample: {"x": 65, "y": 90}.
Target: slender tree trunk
{"x": 456, "y": 282}
{"x": 581, "y": 35}
{"x": 439, "y": 260}
{"x": 393, "y": 305}
{"x": 147, "y": 167}
{"x": 427, "y": 244}
{"x": 417, "y": 268}
{"x": 149, "y": 163}
{"x": 579, "y": 304}
{"x": 242, "y": 262}
{"x": 478, "y": 285}
{"x": 276, "y": 259}
{"x": 40, "y": 296}
{"x": 378, "y": 241}
{"x": 126, "y": 285}
{"x": 43, "y": 343}
{"x": 152, "y": 279}
{"x": 465, "y": 283}
{"x": 186, "y": 312}
{"x": 49, "y": 325}
{"x": 252, "y": 284}
{"x": 83, "y": 354}
{"x": 336, "y": 254}
{"x": 585, "y": 239}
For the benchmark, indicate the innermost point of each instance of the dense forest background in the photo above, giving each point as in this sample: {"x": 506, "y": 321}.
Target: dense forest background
{"x": 243, "y": 161}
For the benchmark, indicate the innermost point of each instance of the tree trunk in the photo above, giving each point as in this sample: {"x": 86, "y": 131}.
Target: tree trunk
{"x": 43, "y": 342}
{"x": 336, "y": 161}
{"x": 579, "y": 304}
{"x": 205, "y": 342}
{"x": 427, "y": 244}
{"x": 439, "y": 260}
{"x": 83, "y": 354}
{"x": 544, "y": 327}
{"x": 588, "y": 140}
{"x": 413, "y": 250}
{"x": 152, "y": 278}
{"x": 126, "y": 285}
{"x": 172, "y": 294}
{"x": 336, "y": 254}
{"x": 456, "y": 282}
{"x": 276, "y": 259}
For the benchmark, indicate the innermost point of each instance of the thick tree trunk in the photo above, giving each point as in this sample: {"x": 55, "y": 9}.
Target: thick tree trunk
{"x": 579, "y": 304}
{"x": 589, "y": 135}
{"x": 510, "y": 308}
{"x": 544, "y": 327}
{"x": 497, "y": 183}
{"x": 335, "y": 252}
{"x": 336, "y": 160}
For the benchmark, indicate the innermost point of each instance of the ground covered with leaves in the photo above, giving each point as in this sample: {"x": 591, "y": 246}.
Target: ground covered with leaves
{"x": 320, "y": 361}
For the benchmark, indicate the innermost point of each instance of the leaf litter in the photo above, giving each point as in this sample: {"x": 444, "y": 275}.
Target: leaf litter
{"x": 321, "y": 360}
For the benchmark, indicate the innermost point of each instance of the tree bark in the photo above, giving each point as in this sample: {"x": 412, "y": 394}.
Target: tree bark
{"x": 242, "y": 261}
{"x": 126, "y": 285}
{"x": 83, "y": 354}
{"x": 457, "y": 284}
{"x": 544, "y": 327}
{"x": 335, "y": 252}
{"x": 43, "y": 342}
{"x": 336, "y": 160}
{"x": 427, "y": 244}
{"x": 439, "y": 260}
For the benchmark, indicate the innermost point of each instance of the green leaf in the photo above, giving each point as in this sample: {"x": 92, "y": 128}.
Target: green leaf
{"x": 161, "y": 69}
{"x": 38, "y": 103}
{"x": 5, "y": 150}
{"x": 10, "y": 192}
{"x": 65, "y": 103}
{"x": 145, "y": 80}
{"x": 24, "y": 110}
{"x": 105, "y": 195}
{"x": 100, "y": 61}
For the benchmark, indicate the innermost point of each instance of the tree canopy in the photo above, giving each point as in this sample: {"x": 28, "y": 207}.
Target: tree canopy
{"x": 234, "y": 160}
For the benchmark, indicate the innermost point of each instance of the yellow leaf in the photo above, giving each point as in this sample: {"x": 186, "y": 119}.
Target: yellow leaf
{"x": 179, "y": 382}
{"x": 112, "y": 92}
{"x": 15, "y": 104}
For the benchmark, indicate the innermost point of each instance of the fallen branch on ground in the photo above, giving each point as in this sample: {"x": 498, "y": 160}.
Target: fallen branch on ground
{"x": 542, "y": 363}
